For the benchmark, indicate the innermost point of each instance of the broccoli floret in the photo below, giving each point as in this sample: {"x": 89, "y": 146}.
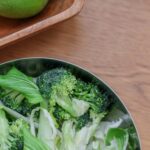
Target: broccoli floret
{"x": 17, "y": 143}
{"x": 74, "y": 97}
{"x": 49, "y": 81}
{"x": 11, "y": 136}
{"x": 83, "y": 120}
{"x": 56, "y": 86}
{"x": 99, "y": 102}
{"x": 16, "y": 101}
{"x": 16, "y": 134}
{"x": 60, "y": 115}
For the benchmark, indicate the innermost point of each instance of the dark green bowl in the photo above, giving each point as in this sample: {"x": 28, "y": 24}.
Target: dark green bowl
{"x": 36, "y": 66}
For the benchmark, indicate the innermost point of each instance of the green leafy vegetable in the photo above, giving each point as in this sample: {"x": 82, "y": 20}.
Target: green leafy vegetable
{"x": 4, "y": 131}
{"x": 83, "y": 120}
{"x": 117, "y": 139}
{"x": 13, "y": 113}
{"x": 61, "y": 112}
{"x": 18, "y": 81}
{"x": 33, "y": 143}
{"x": 78, "y": 140}
{"x": 57, "y": 86}
{"x": 16, "y": 101}
{"x": 60, "y": 115}
{"x": 16, "y": 134}
{"x": 105, "y": 126}
{"x": 133, "y": 138}
{"x": 47, "y": 131}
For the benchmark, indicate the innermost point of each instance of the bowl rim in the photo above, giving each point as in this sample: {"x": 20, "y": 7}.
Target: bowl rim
{"x": 85, "y": 70}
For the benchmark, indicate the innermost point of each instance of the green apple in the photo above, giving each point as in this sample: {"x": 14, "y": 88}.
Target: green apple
{"x": 21, "y": 8}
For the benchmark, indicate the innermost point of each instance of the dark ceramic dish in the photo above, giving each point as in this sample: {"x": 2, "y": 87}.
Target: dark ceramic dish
{"x": 35, "y": 66}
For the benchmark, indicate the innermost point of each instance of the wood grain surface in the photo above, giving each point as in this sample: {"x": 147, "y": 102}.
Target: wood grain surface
{"x": 12, "y": 30}
{"x": 111, "y": 38}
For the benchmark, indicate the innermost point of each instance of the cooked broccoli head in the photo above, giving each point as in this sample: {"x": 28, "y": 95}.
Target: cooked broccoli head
{"x": 99, "y": 102}
{"x": 60, "y": 115}
{"x": 16, "y": 101}
{"x": 11, "y": 136}
{"x": 16, "y": 134}
{"x": 55, "y": 80}
{"x": 83, "y": 120}
{"x": 57, "y": 85}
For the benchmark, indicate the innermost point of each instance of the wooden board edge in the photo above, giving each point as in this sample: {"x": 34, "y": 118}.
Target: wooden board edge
{"x": 33, "y": 29}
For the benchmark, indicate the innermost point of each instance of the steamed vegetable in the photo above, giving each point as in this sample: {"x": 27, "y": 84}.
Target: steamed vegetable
{"x": 57, "y": 86}
{"x": 58, "y": 111}
{"x": 33, "y": 143}
{"x": 11, "y": 137}
{"x": 133, "y": 138}
{"x": 47, "y": 131}
{"x": 19, "y": 82}
{"x": 16, "y": 101}
{"x": 83, "y": 120}
{"x": 16, "y": 134}
{"x": 99, "y": 102}
{"x": 4, "y": 131}
{"x": 73, "y": 140}
{"x": 117, "y": 139}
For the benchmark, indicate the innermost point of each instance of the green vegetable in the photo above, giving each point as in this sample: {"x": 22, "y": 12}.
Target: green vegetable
{"x": 105, "y": 126}
{"x": 47, "y": 131}
{"x": 57, "y": 85}
{"x": 13, "y": 113}
{"x": 99, "y": 102}
{"x": 61, "y": 112}
{"x": 133, "y": 138}
{"x": 53, "y": 78}
{"x": 117, "y": 139}
{"x": 78, "y": 140}
{"x": 16, "y": 134}
{"x": 16, "y": 101}
{"x": 94, "y": 145}
{"x": 83, "y": 120}
{"x": 60, "y": 115}
{"x": 79, "y": 106}
{"x": 33, "y": 143}
{"x": 18, "y": 81}
{"x": 4, "y": 132}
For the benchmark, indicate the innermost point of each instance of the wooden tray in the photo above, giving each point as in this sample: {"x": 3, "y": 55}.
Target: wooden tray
{"x": 56, "y": 11}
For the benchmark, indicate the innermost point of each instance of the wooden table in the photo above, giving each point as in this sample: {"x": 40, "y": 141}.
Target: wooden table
{"x": 111, "y": 38}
